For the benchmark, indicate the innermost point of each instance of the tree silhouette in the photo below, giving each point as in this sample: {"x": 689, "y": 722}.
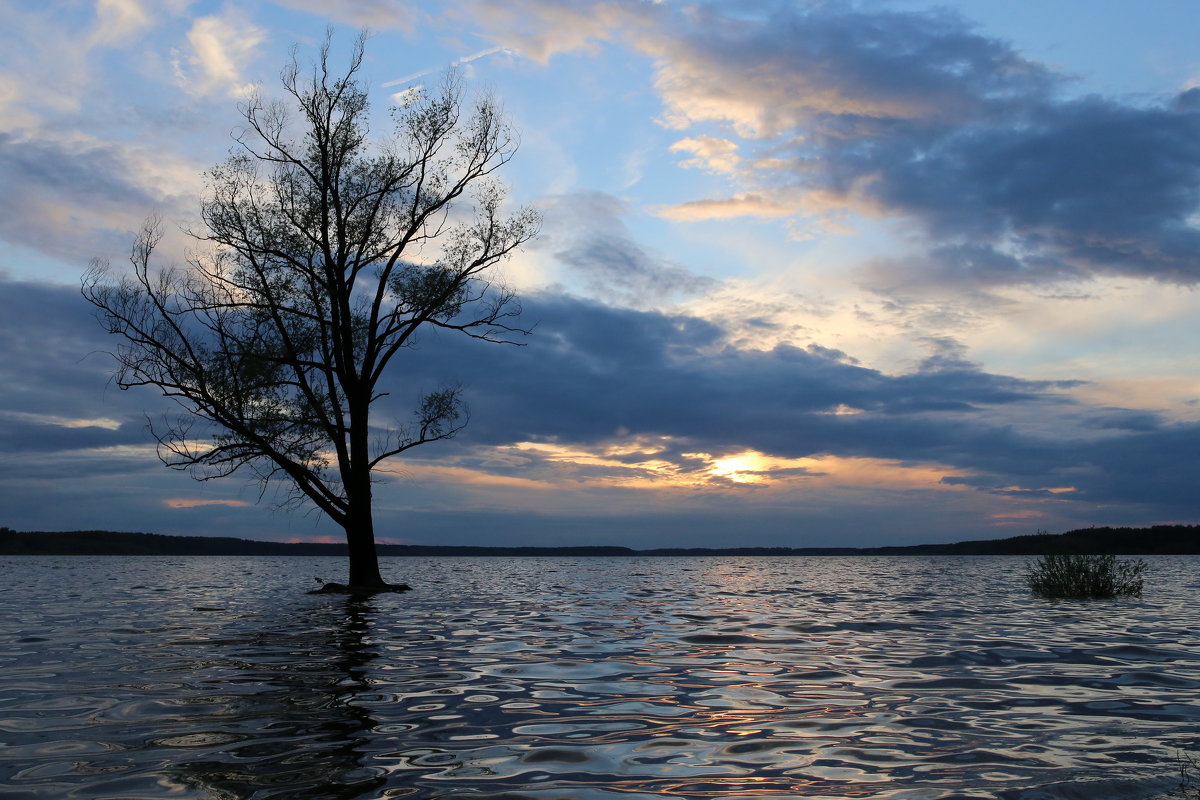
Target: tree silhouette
{"x": 323, "y": 254}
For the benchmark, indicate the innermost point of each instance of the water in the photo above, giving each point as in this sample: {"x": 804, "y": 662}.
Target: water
{"x": 590, "y": 679}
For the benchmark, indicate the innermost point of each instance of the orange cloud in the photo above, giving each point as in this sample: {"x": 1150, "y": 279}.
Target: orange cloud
{"x": 642, "y": 463}
{"x": 741, "y": 205}
{"x": 709, "y": 153}
{"x": 185, "y": 502}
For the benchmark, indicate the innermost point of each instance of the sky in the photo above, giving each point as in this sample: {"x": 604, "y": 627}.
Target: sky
{"x": 809, "y": 273}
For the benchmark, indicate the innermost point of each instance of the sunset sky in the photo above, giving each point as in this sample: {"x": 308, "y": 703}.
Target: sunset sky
{"x": 810, "y": 274}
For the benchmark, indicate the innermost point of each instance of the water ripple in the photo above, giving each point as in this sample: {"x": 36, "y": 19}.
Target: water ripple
{"x": 594, "y": 679}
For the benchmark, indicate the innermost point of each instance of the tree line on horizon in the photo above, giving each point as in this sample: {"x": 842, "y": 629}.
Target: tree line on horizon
{"x": 1154, "y": 540}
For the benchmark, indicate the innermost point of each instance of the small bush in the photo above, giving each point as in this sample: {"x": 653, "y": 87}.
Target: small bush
{"x": 1082, "y": 576}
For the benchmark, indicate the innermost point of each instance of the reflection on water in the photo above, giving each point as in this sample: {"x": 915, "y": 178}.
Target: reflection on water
{"x": 300, "y": 679}
{"x": 590, "y": 678}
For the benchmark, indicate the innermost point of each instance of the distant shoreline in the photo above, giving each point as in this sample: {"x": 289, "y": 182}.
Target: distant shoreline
{"x": 1156, "y": 540}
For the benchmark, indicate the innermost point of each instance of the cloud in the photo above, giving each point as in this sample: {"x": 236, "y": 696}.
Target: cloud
{"x": 539, "y": 29}
{"x": 782, "y": 72}
{"x": 593, "y": 378}
{"x": 609, "y": 409}
{"x": 42, "y": 66}
{"x": 192, "y": 502}
{"x": 118, "y": 20}
{"x": 1085, "y": 186}
{"x": 918, "y": 117}
{"x": 53, "y": 375}
{"x": 962, "y": 265}
{"x": 79, "y": 455}
{"x": 710, "y": 153}
{"x": 750, "y": 204}
{"x": 10, "y": 94}
{"x": 600, "y": 369}
{"x": 594, "y": 243}
{"x": 371, "y": 14}
{"x": 62, "y": 422}
{"x": 220, "y": 49}
{"x": 79, "y": 197}
{"x": 1153, "y": 467}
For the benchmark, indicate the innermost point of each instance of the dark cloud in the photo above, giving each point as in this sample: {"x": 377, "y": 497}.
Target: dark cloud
{"x": 593, "y": 242}
{"x": 19, "y": 437}
{"x": 1061, "y": 190}
{"x": 72, "y": 199}
{"x": 54, "y": 352}
{"x": 919, "y": 116}
{"x": 65, "y": 467}
{"x": 593, "y": 375}
{"x": 1150, "y": 467}
{"x": 591, "y": 371}
{"x": 94, "y": 170}
{"x": 828, "y": 63}
{"x": 1123, "y": 419}
{"x": 1157, "y": 468}
{"x": 55, "y": 388}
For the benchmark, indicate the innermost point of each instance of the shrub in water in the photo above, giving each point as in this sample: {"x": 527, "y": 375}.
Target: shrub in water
{"x": 1079, "y": 576}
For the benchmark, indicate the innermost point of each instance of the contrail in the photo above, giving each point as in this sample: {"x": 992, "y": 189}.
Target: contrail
{"x": 456, "y": 63}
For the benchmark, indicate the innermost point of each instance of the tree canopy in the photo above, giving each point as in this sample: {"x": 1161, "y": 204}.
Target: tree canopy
{"x": 321, "y": 255}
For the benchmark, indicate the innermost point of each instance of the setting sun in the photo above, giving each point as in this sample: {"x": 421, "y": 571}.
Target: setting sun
{"x": 743, "y": 468}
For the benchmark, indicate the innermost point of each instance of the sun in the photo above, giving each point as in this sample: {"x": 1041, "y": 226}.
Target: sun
{"x": 742, "y": 468}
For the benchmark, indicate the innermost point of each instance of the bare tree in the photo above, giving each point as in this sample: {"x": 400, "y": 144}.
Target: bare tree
{"x": 323, "y": 255}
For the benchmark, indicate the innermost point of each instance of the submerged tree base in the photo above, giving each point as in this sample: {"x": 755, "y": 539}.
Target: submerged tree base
{"x": 361, "y": 590}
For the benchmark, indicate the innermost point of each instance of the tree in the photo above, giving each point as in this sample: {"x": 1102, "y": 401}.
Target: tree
{"x": 322, "y": 255}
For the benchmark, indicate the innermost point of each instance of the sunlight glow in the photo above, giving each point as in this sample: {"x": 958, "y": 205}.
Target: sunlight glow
{"x": 656, "y": 465}
{"x": 64, "y": 422}
{"x": 185, "y": 502}
{"x": 744, "y": 468}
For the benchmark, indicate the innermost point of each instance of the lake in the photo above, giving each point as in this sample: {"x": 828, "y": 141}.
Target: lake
{"x": 590, "y": 679}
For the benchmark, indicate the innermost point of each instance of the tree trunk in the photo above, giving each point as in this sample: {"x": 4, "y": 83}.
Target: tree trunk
{"x": 359, "y": 522}
{"x": 360, "y": 541}
{"x": 364, "y": 562}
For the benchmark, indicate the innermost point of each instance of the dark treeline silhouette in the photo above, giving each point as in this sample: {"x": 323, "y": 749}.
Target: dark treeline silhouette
{"x": 1156, "y": 540}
